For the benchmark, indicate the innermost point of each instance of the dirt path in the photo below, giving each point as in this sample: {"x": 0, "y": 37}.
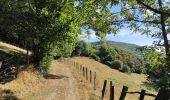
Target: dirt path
{"x": 59, "y": 85}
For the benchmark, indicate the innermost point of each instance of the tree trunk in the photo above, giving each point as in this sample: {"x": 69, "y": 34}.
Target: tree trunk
{"x": 36, "y": 55}
{"x": 164, "y": 34}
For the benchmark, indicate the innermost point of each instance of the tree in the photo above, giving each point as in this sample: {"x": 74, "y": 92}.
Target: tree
{"x": 51, "y": 27}
{"x": 150, "y": 17}
{"x": 43, "y": 25}
{"x": 83, "y": 49}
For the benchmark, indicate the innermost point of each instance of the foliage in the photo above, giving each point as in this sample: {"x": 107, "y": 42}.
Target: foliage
{"x": 112, "y": 57}
{"x": 131, "y": 59}
{"x": 130, "y": 48}
{"x": 96, "y": 57}
{"x": 154, "y": 19}
{"x": 139, "y": 69}
{"x": 155, "y": 65}
{"x": 42, "y": 26}
{"x": 126, "y": 69}
{"x": 84, "y": 49}
{"x": 50, "y": 27}
{"x": 117, "y": 64}
{"x": 105, "y": 53}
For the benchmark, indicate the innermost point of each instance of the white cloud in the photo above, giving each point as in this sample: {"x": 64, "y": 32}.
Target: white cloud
{"x": 124, "y": 32}
{"x": 91, "y": 34}
{"x": 127, "y": 32}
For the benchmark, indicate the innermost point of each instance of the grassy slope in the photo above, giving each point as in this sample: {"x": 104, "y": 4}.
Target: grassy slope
{"x": 26, "y": 79}
{"x": 135, "y": 82}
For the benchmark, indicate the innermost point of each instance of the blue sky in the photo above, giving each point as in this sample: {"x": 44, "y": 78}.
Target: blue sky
{"x": 125, "y": 35}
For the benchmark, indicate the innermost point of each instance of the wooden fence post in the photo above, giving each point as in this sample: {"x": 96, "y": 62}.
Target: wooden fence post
{"x": 123, "y": 93}
{"x": 77, "y": 65}
{"x": 86, "y": 74}
{"x": 95, "y": 81}
{"x": 112, "y": 93}
{"x": 74, "y": 64}
{"x": 80, "y": 67}
{"x": 163, "y": 95}
{"x": 83, "y": 72}
{"x": 104, "y": 89}
{"x": 142, "y": 95}
{"x": 90, "y": 76}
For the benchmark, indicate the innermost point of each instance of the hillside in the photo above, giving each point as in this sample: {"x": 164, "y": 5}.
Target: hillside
{"x": 130, "y": 48}
{"x": 135, "y": 82}
{"x": 67, "y": 81}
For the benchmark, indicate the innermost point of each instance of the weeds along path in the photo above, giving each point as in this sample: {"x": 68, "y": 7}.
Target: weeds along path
{"x": 59, "y": 85}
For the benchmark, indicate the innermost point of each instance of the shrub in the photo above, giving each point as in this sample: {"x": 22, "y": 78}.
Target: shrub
{"x": 138, "y": 70}
{"x": 117, "y": 64}
{"x": 45, "y": 64}
{"x": 96, "y": 57}
{"x": 126, "y": 69}
{"x": 84, "y": 49}
{"x": 109, "y": 63}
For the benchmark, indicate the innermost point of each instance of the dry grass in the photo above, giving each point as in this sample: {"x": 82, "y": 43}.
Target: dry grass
{"x": 7, "y": 48}
{"x": 133, "y": 81}
{"x": 27, "y": 82}
{"x": 86, "y": 90}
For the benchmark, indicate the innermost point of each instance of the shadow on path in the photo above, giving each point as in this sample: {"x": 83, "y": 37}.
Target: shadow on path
{"x": 51, "y": 76}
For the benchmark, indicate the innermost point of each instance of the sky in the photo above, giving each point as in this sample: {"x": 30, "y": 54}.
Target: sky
{"x": 125, "y": 35}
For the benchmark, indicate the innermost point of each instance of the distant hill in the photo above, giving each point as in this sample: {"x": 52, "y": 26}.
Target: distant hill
{"x": 130, "y": 48}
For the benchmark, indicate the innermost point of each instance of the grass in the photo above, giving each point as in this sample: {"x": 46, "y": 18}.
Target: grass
{"x": 26, "y": 83}
{"x": 133, "y": 81}
{"x": 6, "y": 52}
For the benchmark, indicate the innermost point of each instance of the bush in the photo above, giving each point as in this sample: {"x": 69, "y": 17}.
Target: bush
{"x": 138, "y": 70}
{"x": 126, "y": 69}
{"x": 45, "y": 63}
{"x": 109, "y": 63}
{"x": 84, "y": 49}
{"x": 96, "y": 57}
{"x": 117, "y": 64}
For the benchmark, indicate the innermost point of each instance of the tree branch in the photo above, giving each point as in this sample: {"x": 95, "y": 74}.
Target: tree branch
{"x": 135, "y": 20}
{"x": 148, "y": 7}
{"x": 152, "y": 9}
